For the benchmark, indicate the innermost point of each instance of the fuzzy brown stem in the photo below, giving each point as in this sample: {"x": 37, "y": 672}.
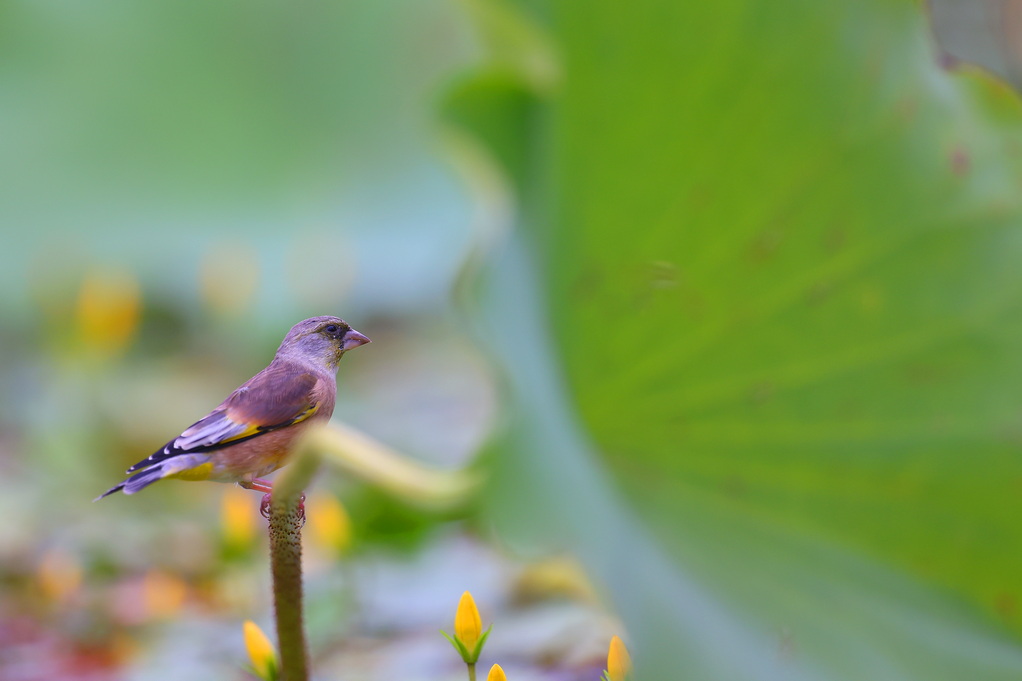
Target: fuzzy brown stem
{"x": 286, "y": 519}
{"x": 286, "y": 565}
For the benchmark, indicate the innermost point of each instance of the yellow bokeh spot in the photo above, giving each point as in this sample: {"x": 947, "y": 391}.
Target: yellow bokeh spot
{"x": 162, "y": 594}
{"x": 108, "y": 309}
{"x": 555, "y": 577}
{"x": 229, "y": 278}
{"x": 468, "y": 626}
{"x": 59, "y": 575}
{"x": 122, "y": 648}
{"x": 260, "y": 651}
{"x": 329, "y": 525}
{"x": 237, "y": 517}
{"x": 619, "y": 662}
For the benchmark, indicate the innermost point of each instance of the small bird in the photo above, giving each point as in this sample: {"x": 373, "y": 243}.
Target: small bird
{"x": 253, "y": 431}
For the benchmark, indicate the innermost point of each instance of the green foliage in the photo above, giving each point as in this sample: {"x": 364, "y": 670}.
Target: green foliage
{"x": 775, "y": 247}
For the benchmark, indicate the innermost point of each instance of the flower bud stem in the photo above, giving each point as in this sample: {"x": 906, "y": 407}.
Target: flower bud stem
{"x": 471, "y": 672}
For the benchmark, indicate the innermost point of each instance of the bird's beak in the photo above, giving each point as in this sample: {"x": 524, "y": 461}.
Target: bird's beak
{"x": 353, "y": 339}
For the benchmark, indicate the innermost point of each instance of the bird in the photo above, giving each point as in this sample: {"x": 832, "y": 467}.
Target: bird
{"x": 253, "y": 432}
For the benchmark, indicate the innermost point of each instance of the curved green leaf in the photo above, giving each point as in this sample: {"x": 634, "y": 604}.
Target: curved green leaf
{"x": 777, "y": 252}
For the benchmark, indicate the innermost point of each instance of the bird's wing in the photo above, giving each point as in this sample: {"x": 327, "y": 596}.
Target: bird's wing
{"x": 278, "y": 396}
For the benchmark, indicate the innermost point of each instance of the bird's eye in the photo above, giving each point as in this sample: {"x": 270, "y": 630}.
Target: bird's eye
{"x": 331, "y": 329}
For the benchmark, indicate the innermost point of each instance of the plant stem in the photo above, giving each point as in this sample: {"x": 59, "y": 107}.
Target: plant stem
{"x": 471, "y": 672}
{"x": 286, "y": 566}
{"x": 285, "y": 524}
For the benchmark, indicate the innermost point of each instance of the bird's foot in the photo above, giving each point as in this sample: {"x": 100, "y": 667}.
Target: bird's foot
{"x": 266, "y": 504}
{"x": 264, "y": 486}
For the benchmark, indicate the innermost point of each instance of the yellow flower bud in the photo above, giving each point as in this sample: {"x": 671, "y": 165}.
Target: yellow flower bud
{"x": 496, "y": 674}
{"x": 260, "y": 651}
{"x": 619, "y": 662}
{"x": 468, "y": 626}
{"x": 469, "y": 636}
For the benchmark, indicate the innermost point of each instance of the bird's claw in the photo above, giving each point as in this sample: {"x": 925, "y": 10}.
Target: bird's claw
{"x": 265, "y": 507}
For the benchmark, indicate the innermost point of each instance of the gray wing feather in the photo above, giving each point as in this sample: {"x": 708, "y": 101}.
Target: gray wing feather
{"x": 215, "y": 428}
{"x": 208, "y": 432}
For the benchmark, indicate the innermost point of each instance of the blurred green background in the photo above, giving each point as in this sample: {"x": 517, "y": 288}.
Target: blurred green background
{"x": 722, "y": 299}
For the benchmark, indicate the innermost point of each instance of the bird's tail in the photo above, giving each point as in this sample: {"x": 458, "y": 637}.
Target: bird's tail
{"x": 115, "y": 488}
{"x": 163, "y": 469}
{"x": 136, "y": 482}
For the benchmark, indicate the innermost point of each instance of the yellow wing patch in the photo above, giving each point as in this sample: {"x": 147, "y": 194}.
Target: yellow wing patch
{"x": 248, "y": 432}
{"x": 200, "y": 472}
{"x": 256, "y": 429}
{"x": 306, "y": 414}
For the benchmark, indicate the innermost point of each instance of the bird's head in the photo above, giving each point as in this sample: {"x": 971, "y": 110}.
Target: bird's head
{"x": 321, "y": 340}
